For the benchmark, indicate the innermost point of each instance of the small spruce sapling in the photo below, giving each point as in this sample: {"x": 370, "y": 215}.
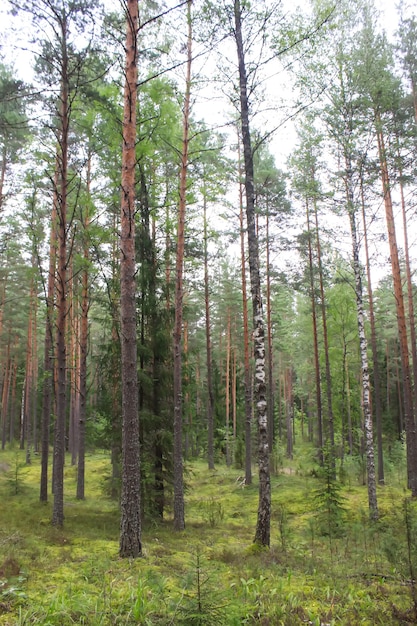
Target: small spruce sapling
{"x": 329, "y": 502}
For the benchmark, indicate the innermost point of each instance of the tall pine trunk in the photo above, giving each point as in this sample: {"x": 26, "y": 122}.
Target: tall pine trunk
{"x": 61, "y": 289}
{"x": 130, "y": 510}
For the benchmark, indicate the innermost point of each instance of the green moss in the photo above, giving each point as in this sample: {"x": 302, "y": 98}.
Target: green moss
{"x": 74, "y": 575}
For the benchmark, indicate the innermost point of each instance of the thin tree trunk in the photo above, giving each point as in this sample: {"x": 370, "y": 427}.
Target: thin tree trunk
{"x": 410, "y": 300}
{"x": 210, "y": 394}
{"x": 330, "y": 417}
{"x": 376, "y": 376}
{"x": 227, "y": 388}
{"x": 5, "y": 395}
{"x": 48, "y": 362}
{"x": 316, "y": 341}
{"x": 85, "y": 305}
{"x": 263, "y": 524}
{"x": 246, "y": 340}
{"x": 179, "y": 520}
{"x": 289, "y": 411}
{"x": 270, "y": 365}
{"x": 130, "y": 545}
{"x": 28, "y": 403}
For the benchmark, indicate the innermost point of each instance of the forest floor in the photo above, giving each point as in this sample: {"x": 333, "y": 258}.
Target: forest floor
{"x": 328, "y": 564}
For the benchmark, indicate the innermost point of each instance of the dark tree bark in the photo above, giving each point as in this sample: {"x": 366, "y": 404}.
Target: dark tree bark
{"x": 61, "y": 285}
{"x": 130, "y": 510}
{"x": 263, "y": 525}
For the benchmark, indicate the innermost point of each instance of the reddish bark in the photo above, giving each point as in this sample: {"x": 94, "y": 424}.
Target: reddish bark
{"x": 130, "y": 520}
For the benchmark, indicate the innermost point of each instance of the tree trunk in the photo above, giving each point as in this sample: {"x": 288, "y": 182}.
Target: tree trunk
{"x": 263, "y": 525}
{"x": 179, "y": 521}
{"x": 289, "y": 411}
{"x": 316, "y": 341}
{"x": 376, "y": 376}
{"x": 61, "y": 289}
{"x": 48, "y": 361}
{"x": 130, "y": 510}
{"x": 271, "y": 433}
{"x": 410, "y": 300}
{"x": 5, "y": 392}
{"x": 330, "y": 418}
{"x": 366, "y": 387}
{"x": 409, "y": 419}
{"x": 246, "y": 340}
{"x": 210, "y": 394}
{"x": 85, "y": 305}
{"x": 227, "y": 389}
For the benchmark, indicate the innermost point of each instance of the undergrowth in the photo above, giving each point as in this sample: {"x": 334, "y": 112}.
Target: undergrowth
{"x": 328, "y": 564}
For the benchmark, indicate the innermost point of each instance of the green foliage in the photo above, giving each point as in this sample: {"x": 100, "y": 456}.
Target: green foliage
{"x": 212, "y": 511}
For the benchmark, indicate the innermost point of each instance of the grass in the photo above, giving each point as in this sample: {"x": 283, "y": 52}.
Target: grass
{"x": 211, "y": 573}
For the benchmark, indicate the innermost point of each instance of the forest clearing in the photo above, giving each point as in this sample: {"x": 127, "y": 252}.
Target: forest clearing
{"x": 327, "y": 564}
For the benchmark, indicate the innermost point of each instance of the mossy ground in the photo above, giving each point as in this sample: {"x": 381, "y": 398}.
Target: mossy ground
{"x": 74, "y": 575}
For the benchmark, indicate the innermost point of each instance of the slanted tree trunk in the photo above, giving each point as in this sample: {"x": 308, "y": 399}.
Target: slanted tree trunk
{"x": 263, "y": 524}
{"x": 409, "y": 418}
{"x": 130, "y": 545}
{"x": 179, "y": 520}
{"x": 83, "y": 350}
